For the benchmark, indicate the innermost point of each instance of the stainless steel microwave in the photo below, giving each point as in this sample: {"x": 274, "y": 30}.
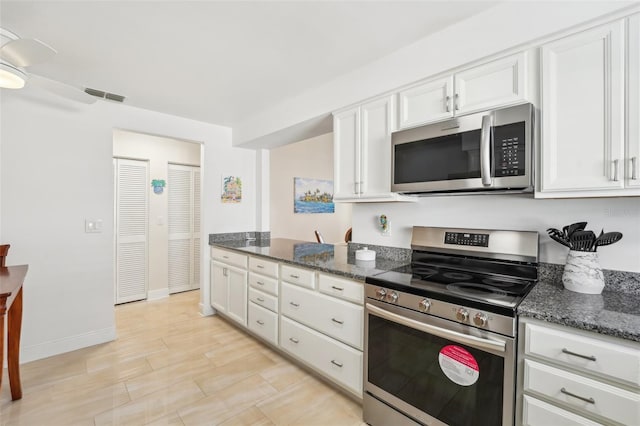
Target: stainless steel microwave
{"x": 487, "y": 151}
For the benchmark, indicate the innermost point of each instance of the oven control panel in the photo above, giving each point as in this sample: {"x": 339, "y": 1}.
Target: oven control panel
{"x": 466, "y": 239}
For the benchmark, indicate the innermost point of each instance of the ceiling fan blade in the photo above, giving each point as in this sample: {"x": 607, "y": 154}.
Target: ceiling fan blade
{"x": 26, "y": 52}
{"x": 62, "y": 89}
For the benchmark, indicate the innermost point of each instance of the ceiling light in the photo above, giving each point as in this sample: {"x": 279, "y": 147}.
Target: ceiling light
{"x": 11, "y": 77}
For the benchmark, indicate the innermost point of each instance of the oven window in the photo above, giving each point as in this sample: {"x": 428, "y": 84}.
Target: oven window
{"x": 405, "y": 363}
{"x": 448, "y": 157}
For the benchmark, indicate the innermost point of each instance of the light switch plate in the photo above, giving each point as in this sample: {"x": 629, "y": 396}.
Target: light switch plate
{"x": 92, "y": 225}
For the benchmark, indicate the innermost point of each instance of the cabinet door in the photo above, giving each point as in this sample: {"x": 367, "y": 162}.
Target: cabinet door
{"x": 427, "y": 102}
{"x": 497, "y": 83}
{"x": 346, "y": 153}
{"x": 633, "y": 123}
{"x": 237, "y": 297}
{"x": 219, "y": 284}
{"x": 377, "y": 119}
{"x": 583, "y": 111}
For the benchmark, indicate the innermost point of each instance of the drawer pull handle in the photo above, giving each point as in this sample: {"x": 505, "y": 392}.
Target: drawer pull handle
{"x": 225, "y": 257}
{"x": 337, "y": 321}
{"x": 294, "y": 340}
{"x": 260, "y": 322}
{"x": 259, "y": 283}
{"x": 337, "y": 288}
{"x": 581, "y": 398}
{"x": 260, "y": 299}
{"x": 260, "y": 266}
{"x": 294, "y": 276}
{"x": 568, "y": 352}
{"x": 336, "y": 363}
{"x": 294, "y": 304}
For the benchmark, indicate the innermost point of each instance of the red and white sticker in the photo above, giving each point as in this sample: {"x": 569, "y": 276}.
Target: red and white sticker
{"x": 458, "y": 365}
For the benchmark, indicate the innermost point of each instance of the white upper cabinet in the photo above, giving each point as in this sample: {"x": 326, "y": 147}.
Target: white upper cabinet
{"x": 430, "y": 101}
{"x": 497, "y": 83}
{"x": 632, "y": 163}
{"x": 582, "y": 142}
{"x": 362, "y": 152}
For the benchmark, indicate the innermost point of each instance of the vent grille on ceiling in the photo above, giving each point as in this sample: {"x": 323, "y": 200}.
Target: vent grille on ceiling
{"x": 104, "y": 95}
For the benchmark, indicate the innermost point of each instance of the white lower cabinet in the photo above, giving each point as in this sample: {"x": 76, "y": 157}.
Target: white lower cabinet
{"x": 329, "y": 357}
{"x": 572, "y": 377}
{"x": 264, "y": 323}
{"x": 316, "y": 318}
{"x": 336, "y": 318}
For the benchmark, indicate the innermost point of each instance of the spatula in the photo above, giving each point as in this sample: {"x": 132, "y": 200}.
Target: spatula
{"x": 604, "y": 239}
{"x": 583, "y": 240}
{"x": 559, "y": 236}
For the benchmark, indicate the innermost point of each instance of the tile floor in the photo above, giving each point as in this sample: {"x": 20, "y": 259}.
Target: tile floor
{"x": 171, "y": 366}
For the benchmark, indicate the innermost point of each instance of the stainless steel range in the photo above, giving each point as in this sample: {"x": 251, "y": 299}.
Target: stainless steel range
{"x": 440, "y": 334}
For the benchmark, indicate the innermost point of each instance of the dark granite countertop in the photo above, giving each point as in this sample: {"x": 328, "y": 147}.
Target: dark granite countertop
{"x": 615, "y": 312}
{"x": 330, "y": 258}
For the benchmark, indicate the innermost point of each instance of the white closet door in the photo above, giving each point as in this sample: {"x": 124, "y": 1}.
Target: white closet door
{"x": 183, "y": 248}
{"x": 131, "y": 230}
{"x": 195, "y": 282}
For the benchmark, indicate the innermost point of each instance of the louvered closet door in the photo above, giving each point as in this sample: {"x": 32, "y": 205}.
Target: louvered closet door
{"x": 184, "y": 225}
{"x": 131, "y": 215}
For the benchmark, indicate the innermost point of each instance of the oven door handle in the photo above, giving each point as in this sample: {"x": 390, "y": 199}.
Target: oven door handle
{"x": 437, "y": 331}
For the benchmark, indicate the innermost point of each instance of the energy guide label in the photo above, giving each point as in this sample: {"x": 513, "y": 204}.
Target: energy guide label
{"x": 458, "y": 365}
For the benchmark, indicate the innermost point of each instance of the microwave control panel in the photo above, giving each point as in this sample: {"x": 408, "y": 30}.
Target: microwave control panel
{"x": 466, "y": 239}
{"x": 509, "y": 150}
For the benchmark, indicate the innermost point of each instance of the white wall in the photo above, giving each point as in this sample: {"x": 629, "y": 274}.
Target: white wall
{"x": 511, "y": 212}
{"x": 502, "y": 27}
{"x": 310, "y": 158}
{"x": 56, "y": 171}
{"x": 159, "y": 152}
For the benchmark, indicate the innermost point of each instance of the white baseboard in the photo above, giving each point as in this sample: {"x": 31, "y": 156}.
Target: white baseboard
{"x": 157, "y": 294}
{"x": 206, "y": 310}
{"x": 67, "y": 344}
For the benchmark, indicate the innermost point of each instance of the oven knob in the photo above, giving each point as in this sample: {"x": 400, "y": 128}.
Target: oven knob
{"x": 392, "y": 297}
{"x": 381, "y": 292}
{"x": 480, "y": 319}
{"x": 462, "y": 314}
{"x": 424, "y": 305}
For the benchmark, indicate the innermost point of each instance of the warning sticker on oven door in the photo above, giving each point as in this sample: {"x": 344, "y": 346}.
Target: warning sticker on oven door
{"x": 458, "y": 365}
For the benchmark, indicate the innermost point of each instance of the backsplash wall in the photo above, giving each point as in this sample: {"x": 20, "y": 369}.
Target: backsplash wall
{"x": 513, "y": 211}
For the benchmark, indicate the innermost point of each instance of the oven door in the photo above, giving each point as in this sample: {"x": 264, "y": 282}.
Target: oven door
{"x": 436, "y": 371}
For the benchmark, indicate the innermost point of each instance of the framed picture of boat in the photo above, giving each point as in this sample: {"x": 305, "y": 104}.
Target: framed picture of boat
{"x": 313, "y": 195}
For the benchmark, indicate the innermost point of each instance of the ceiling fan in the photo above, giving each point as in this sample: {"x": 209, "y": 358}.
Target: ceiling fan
{"x": 17, "y": 53}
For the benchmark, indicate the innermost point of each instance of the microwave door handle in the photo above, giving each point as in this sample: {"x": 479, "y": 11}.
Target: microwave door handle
{"x": 485, "y": 150}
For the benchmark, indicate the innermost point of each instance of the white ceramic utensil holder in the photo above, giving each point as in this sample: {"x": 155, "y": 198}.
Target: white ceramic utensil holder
{"x": 582, "y": 273}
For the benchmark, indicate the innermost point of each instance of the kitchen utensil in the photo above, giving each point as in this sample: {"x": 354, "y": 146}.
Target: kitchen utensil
{"x": 582, "y": 240}
{"x": 570, "y": 229}
{"x": 604, "y": 239}
{"x": 559, "y": 237}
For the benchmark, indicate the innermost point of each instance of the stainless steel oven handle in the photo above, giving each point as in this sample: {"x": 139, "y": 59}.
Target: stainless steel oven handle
{"x": 437, "y": 331}
{"x": 485, "y": 150}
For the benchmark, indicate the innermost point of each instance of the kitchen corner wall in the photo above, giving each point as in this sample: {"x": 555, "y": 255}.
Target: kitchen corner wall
{"x": 310, "y": 158}
{"x": 56, "y": 170}
{"x": 519, "y": 212}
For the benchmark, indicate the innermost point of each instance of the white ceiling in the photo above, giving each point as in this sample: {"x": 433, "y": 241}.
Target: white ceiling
{"x": 215, "y": 61}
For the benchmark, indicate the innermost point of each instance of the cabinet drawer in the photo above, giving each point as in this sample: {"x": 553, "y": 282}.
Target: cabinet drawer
{"x": 616, "y": 361}
{"x": 269, "y": 285}
{"x": 229, "y": 257}
{"x": 348, "y": 290}
{"x": 538, "y": 413}
{"x": 336, "y": 318}
{"x": 265, "y": 300}
{"x": 264, "y": 323}
{"x": 302, "y": 277}
{"x": 335, "y": 360}
{"x": 263, "y": 267}
{"x": 608, "y": 401}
